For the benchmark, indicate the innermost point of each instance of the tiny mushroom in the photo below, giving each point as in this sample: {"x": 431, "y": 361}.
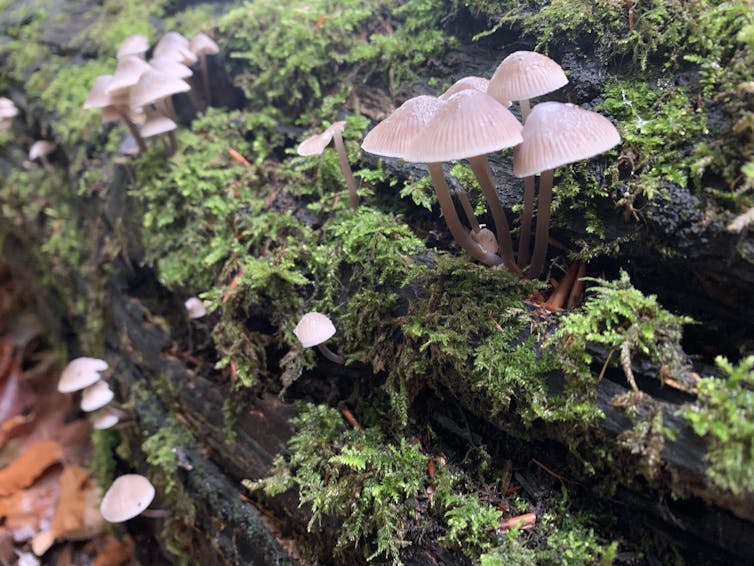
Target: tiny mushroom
{"x": 557, "y": 134}
{"x": 520, "y": 76}
{"x": 195, "y": 308}
{"x": 128, "y": 496}
{"x": 96, "y": 396}
{"x": 157, "y": 87}
{"x": 133, "y": 45}
{"x": 99, "y": 98}
{"x": 157, "y": 124}
{"x": 106, "y": 418}
{"x": 202, "y": 45}
{"x": 313, "y": 330}
{"x": 40, "y": 149}
{"x": 316, "y": 144}
{"x": 81, "y": 373}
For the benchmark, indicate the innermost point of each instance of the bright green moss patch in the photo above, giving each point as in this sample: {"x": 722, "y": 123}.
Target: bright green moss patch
{"x": 115, "y": 20}
{"x": 724, "y": 414}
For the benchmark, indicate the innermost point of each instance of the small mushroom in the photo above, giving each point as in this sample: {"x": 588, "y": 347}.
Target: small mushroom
{"x": 195, "y": 308}
{"x": 313, "y": 330}
{"x": 157, "y": 87}
{"x": 156, "y": 125}
{"x": 81, "y": 373}
{"x": 96, "y": 396}
{"x": 128, "y": 496}
{"x": 133, "y": 45}
{"x": 108, "y": 417}
{"x": 99, "y": 98}
{"x": 316, "y": 144}
{"x": 202, "y": 45}
{"x": 40, "y": 149}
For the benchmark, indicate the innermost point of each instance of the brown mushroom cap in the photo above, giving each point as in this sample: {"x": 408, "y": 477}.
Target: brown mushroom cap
{"x": 393, "y": 136}
{"x": 525, "y": 74}
{"x": 313, "y": 329}
{"x": 556, "y": 134}
{"x": 467, "y": 124}
{"x": 154, "y": 85}
{"x": 127, "y": 497}
{"x": 80, "y": 373}
{"x": 316, "y": 144}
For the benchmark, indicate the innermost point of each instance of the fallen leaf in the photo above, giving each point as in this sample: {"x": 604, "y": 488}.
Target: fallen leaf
{"x": 25, "y": 469}
{"x": 114, "y": 552}
{"x": 77, "y": 515}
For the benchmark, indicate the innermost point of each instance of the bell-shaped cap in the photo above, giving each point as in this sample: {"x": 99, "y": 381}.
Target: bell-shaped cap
{"x": 195, "y": 308}
{"x": 154, "y": 85}
{"x": 556, "y": 134}
{"x": 393, "y": 136}
{"x": 314, "y": 328}
{"x": 202, "y": 44}
{"x": 171, "y": 67}
{"x": 127, "y": 73}
{"x": 525, "y": 74}
{"x": 155, "y": 125}
{"x": 469, "y": 123}
{"x": 133, "y": 45}
{"x": 316, "y": 144}
{"x": 105, "y": 419}
{"x": 476, "y": 83}
{"x": 41, "y": 148}
{"x": 81, "y": 373}
{"x": 127, "y": 497}
{"x": 96, "y": 396}
{"x": 174, "y": 46}
{"x": 98, "y": 96}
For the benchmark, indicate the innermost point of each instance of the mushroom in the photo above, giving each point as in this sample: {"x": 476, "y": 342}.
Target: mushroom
{"x": 313, "y": 330}
{"x": 40, "y": 149}
{"x": 475, "y": 83}
{"x": 520, "y": 76}
{"x": 202, "y": 45}
{"x": 170, "y": 67}
{"x": 157, "y": 124}
{"x": 127, "y": 74}
{"x": 96, "y": 396}
{"x": 128, "y": 496}
{"x": 99, "y": 98}
{"x": 157, "y": 87}
{"x": 470, "y": 124}
{"x": 316, "y": 144}
{"x": 81, "y": 373}
{"x": 108, "y": 417}
{"x": 133, "y": 45}
{"x": 7, "y": 111}
{"x": 195, "y": 308}
{"x": 174, "y": 46}
{"x": 556, "y": 134}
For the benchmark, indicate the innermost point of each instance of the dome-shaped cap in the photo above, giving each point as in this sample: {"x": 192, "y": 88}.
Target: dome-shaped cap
{"x": 105, "y": 419}
{"x": 133, "y": 45}
{"x": 469, "y": 123}
{"x": 202, "y": 44}
{"x": 314, "y": 328}
{"x": 556, "y": 134}
{"x": 174, "y": 46}
{"x": 156, "y": 125}
{"x": 127, "y": 497}
{"x": 129, "y": 70}
{"x": 476, "y": 83}
{"x": 154, "y": 85}
{"x": 80, "y": 373}
{"x": 393, "y": 136}
{"x": 171, "y": 67}
{"x": 525, "y": 74}
{"x": 96, "y": 396}
{"x": 41, "y": 148}
{"x": 195, "y": 307}
{"x": 316, "y": 144}
{"x": 98, "y": 96}
{"x": 7, "y": 108}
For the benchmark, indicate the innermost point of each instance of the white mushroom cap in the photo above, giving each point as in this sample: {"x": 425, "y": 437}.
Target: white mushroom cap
{"x": 171, "y": 67}
{"x": 96, "y": 396}
{"x": 105, "y": 419}
{"x": 100, "y": 98}
{"x": 129, "y": 70}
{"x": 202, "y": 44}
{"x": 316, "y": 144}
{"x": 314, "y": 328}
{"x": 393, "y": 136}
{"x": 154, "y": 85}
{"x": 127, "y": 497}
{"x": 477, "y": 83}
{"x": 525, "y": 74}
{"x": 556, "y": 134}
{"x": 156, "y": 125}
{"x": 133, "y": 45}
{"x": 81, "y": 373}
{"x": 41, "y": 148}
{"x": 7, "y": 108}
{"x": 195, "y": 308}
{"x": 174, "y": 46}
{"x": 469, "y": 123}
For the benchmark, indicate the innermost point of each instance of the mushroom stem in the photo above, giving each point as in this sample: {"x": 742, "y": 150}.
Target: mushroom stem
{"x": 173, "y": 143}
{"x": 205, "y": 79}
{"x": 543, "y": 223}
{"x": 468, "y": 210}
{"x": 132, "y": 128}
{"x": 46, "y": 164}
{"x": 461, "y": 234}
{"x": 330, "y": 355}
{"x": 524, "y": 238}
{"x": 156, "y": 513}
{"x": 525, "y": 109}
{"x": 165, "y": 107}
{"x": 481, "y": 168}
{"x": 346, "y": 168}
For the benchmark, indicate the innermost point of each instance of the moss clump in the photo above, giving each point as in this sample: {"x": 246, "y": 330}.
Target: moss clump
{"x": 620, "y": 318}
{"x": 724, "y": 414}
{"x": 114, "y": 20}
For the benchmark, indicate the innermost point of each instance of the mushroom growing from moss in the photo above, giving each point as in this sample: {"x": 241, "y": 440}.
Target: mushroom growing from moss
{"x": 81, "y": 373}
{"x": 40, "y": 149}
{"x": 316, "y": 144}
{"x": 557, "y": 134}
{"x": 99, "y": 98}
{"x": 195, "y": 307}
{"x": 313, "y": 330}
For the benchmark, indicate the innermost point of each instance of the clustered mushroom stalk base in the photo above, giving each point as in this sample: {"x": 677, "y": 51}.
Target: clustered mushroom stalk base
{"x": 132, "y": 128}
{"x": 330, "y": 355}
{"x": 460, "y": 233}
{"x": 543, "y": 223}
{"x": 481, "y": 168}
{"x": 340, "y": 148}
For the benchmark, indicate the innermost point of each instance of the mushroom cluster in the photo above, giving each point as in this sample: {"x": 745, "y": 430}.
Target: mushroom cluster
{"x": 85, "y": 375}
{"x": 139, "y": 92}
{"x": 470, "y": 120}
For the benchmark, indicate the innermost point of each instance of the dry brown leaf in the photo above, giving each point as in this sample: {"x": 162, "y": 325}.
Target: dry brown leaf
{"x": 25, "y": 469}
{"x": 115, "y": 552}
{"x": 77, "y": 515}
{"x": 30, "y": 510}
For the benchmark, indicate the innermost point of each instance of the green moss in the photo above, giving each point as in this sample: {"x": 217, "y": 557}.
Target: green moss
{"x": 115, "y": 20}
{"x": 620, "y": 318}
{"x": 723, "y": 414}
{"x": 102, "y": 465}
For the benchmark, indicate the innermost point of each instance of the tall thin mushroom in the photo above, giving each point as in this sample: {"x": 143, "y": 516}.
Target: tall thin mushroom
{"x": 316, "y": 144}
{"x": 523, "y": 75}
{"x": 557, "y": 134}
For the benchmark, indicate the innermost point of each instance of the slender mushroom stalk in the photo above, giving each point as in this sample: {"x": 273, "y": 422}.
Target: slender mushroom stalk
{"x": 557, "y": 134}
{"x": 316, "y": 144}
{"x": 314, "y": 329}
{"x": 468, "y": 210}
